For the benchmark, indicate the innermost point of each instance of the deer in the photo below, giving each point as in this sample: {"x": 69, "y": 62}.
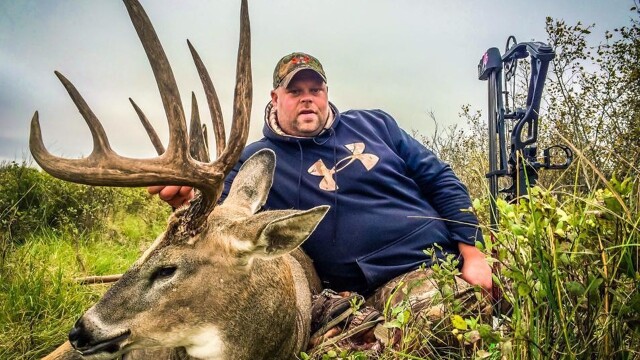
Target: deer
{"x": 225, "y": 280}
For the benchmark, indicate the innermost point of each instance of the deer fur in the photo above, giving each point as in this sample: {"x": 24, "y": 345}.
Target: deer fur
{"x": 232, "y": 291}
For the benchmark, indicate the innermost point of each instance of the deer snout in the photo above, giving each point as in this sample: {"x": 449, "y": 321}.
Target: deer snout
{"x": 78, "y": 337}
{"x": 90, "y": 342}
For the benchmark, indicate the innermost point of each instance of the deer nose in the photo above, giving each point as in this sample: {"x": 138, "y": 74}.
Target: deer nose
{"x": 77, "y": 335}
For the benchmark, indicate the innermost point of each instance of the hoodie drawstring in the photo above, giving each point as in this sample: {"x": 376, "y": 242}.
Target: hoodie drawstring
{"x": 300, "y": 173}
{"x": 322, "y": 139}
{"x": 335, "y": 193}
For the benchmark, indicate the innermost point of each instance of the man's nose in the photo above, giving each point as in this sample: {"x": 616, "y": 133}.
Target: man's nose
{"x": 306, "y": 96}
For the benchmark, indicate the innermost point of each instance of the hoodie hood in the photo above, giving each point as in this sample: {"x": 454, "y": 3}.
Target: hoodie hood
{"x": 272, "y": 130}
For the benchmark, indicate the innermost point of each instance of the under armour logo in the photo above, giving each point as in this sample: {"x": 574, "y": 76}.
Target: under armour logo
{"x": 357, "y": 154}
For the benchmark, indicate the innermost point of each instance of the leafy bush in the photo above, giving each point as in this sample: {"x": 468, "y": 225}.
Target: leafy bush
{"x": 31, "y": 200}
{"x": 594, "y": 94}
{"x": 571, "y": 265}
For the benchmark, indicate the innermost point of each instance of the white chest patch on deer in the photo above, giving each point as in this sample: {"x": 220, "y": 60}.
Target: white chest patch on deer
{"x": 206, "y": 344}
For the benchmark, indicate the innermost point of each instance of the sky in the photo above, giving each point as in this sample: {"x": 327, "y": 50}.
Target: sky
{"x": 407, "y": 57}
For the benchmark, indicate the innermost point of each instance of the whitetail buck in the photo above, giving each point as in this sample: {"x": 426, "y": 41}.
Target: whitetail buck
{"x": 221, "y": 281}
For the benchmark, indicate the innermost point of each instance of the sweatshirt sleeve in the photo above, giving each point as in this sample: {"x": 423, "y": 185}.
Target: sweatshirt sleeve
{"x": 439, "y": 184}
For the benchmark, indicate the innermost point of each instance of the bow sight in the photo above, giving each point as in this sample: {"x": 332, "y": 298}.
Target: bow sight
{"x": 517, "y": 129}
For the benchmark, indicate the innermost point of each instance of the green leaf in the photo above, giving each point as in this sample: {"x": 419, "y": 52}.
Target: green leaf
{"x": 393, "y": 324}
{"x": 401, "y": 318}
{"x": 458, "y": 322}
{"x": 594, "y": 286}
{"x": 477, "y": 204}
{"x": 575, "y": 288}
{"x": 487, "y": 334}
{"x": 562, "y": 215}
{"x": 524, "y": 289}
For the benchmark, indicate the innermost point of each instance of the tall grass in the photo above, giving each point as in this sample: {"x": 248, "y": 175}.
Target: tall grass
{"x": 571, "y": 264}
{"x": 43, "y": 252}
{"x": 39, "y": 297}
{"x": 569, "y": 268}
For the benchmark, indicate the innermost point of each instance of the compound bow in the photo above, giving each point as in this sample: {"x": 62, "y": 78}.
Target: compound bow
{"x": 520, "y": 163}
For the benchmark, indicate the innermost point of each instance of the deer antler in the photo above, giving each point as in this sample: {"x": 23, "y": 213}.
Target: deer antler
{"x": 175, "y": 166}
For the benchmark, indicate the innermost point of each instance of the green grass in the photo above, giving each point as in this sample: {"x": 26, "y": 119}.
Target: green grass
{"x": 39, "y": 298}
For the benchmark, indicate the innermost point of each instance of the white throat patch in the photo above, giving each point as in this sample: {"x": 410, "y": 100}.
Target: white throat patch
{"x": 206, "y": 344}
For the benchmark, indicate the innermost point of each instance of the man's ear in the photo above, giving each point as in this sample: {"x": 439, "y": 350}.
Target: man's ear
{"x": 274, "y": 97}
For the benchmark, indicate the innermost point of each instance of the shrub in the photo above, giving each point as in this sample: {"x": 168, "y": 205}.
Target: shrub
{"x": 571, "y": 263}
{"x": 31, "y": 200}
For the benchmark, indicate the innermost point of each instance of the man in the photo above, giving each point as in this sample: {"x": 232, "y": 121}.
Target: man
{"x": 391, "y": 198}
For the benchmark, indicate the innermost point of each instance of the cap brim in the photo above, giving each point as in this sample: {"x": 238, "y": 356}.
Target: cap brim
{"x": 287, "y": 79}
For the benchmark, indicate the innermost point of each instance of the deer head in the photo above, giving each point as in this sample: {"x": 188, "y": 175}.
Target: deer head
{"x": 217, "y": 282}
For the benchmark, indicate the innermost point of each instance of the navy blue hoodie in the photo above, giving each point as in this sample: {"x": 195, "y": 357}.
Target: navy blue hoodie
{"x": 389, "y": 196}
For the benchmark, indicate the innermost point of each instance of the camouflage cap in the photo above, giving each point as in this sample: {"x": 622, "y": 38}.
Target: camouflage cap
{"x": 291, "y": 64}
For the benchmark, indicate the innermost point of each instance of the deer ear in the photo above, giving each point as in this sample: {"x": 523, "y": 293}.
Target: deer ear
{"x": 286, "y": 233}
{"x": 251, "y": 185}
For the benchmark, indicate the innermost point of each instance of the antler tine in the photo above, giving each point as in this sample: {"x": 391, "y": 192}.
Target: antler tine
{"x": 197, "y": 143}
{"x": 155, "y": 139}
{"x": 101, "y": 145}
{"x": 167, "y": 85}
{"x": 242, "y": 98}
{"x": 205, "y": 136}
{"x": 198, "y": 146}
{"x": 108, "y": 168}
{"x": 102, "y": 166}
{"x": 212, "y": 100}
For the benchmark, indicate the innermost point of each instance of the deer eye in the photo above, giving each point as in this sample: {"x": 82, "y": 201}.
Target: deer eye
{"x": 162, "y": 273}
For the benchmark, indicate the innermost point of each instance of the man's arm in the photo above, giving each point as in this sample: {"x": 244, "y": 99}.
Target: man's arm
{"x": 441, "y": 187}
{"x": 449, "y": 197}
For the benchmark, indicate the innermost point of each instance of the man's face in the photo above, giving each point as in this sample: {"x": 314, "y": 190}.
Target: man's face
{"x": 303, "y": 107}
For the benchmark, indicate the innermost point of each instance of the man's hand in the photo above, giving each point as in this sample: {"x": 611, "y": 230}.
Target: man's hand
{"x": 475, "y": 269}
{"x": 174, "y": 195}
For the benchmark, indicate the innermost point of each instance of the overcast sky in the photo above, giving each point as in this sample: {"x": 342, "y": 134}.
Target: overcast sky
{"x": 407, "y": 57}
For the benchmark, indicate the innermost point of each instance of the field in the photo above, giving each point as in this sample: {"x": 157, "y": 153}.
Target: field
{"x": 569, "y": 262}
